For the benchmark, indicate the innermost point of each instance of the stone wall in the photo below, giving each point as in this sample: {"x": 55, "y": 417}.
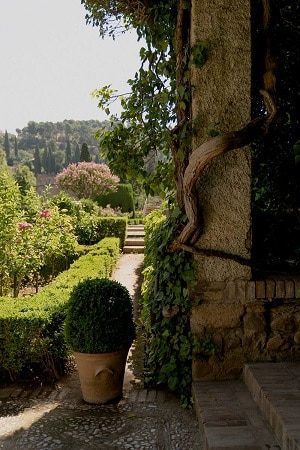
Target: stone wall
{"x": 244, "y": 321}
{"x": 221, "y": 99}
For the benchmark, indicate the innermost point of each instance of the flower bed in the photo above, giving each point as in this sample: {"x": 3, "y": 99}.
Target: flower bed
{"x": 31, "y": 329}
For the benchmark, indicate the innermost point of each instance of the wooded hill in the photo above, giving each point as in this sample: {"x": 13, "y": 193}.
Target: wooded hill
{"x": 47, "y": 147}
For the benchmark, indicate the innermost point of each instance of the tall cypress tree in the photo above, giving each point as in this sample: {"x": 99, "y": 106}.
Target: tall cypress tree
{"x": 76, "y": 153}
{"x": 50, "y": 160}
{"x": 37, "y": 161}
{"x": 45, "y": 160}
{"x": 16, "y": 149}
{"x": 68, "y": 156}
{"x": 51, "y": 157}
{"x": 6, "y": 146}
{"x": 85, "y": 154}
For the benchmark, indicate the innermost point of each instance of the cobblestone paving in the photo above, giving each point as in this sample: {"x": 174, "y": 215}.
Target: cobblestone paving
{"x": 142, "y": 420}
{"x": 57, "y": 418}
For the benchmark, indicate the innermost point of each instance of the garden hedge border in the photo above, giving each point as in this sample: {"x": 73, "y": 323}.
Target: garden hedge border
{"x": 91, "y": 229}
{"x": 32, "y": 329}
{"x": 123, "y": 198}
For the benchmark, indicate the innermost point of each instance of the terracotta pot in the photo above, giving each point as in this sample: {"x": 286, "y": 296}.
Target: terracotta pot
{"x": 101, "y": 375}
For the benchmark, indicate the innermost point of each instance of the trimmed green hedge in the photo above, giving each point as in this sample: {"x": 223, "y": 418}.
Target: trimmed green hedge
{"x": 31, "y": 328}
{"x": 91, "y": 229}
{"x": 122, "y": 198}
{"x": 139, "y": 221}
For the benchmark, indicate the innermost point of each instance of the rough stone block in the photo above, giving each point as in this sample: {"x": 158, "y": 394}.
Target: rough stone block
{"x": 250, "y": 291}
{"x": 289, "y": 289}
{"x": 260, "y": 291}
{"x": 230, "y": 292}
{"x": 216, "y": 316}
{"x": 270, "y": 289}
{"x": 254, "y": 323}
{"x": 283, "y": 320}
{"x": 297, "y": 338}
{"x": 240, "y": 287}
{"x": 297, "y": 289}
{"x": 280, "y": 289}
{"x": 274, "y": 343}
{"x": 201, "y": 370}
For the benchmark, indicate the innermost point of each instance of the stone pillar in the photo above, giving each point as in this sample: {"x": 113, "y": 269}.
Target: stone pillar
{"x": 221, "y": 101}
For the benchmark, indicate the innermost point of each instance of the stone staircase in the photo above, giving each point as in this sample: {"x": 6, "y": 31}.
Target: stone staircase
{"x": 134, "y": 242}
{"x": 262, "y": 413}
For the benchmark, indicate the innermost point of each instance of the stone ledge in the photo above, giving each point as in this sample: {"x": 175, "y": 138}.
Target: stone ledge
{"x": 247, "y": 291}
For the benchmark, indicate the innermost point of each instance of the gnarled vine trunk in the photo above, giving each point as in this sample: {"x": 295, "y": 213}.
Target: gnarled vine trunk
{"x": 215, "y": 147}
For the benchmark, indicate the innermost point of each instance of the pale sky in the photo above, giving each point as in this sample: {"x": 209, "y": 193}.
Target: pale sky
{"x": 51, "y": 61}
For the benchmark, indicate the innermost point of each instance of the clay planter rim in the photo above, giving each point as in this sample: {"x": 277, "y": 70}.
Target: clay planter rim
{"x": 102, "y": 353}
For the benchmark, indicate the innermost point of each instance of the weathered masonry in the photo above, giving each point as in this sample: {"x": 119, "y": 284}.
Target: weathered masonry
{"x": 239, "y": 318}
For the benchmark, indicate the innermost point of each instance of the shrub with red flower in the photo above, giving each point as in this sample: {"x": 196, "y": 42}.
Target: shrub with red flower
{"x": 87, "y": 180}
{"x": 24, "y": 226}
{"x": 45, "y": 214}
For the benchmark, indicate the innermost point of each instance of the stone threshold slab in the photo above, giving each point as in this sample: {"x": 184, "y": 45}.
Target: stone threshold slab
{"x": 230, "y": 419}
{"x": 275, "y": 387}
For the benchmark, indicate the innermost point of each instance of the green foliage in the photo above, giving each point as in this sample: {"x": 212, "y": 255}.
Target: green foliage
{"x": 99, "y": 317}
{"x": 122, "y": 198}
{"x": 212, "y": 130}
{"x": 6, "y": 146}
{"x": 24, "y": 178}
{"x": 3, "y": 162}
{"x": 10, "y": 201}
{"x": 138, "y": 221}
{"x": 37, "y": 162}
{"x": 68, "y": 157}
{"x": 31, "y": 328}
{"x": 168, "y": 341}
{"x": 16, "y": 148}
{"x": 138, "y": 144}
{"x": 32, "y": 240}
{"x": 66, "y": 204}
{"x": 31, "y": 204}
{"x": 85, "y": 154}
{"x": 89, "y": 206}
{"x": 65, "y": 137}
{"x": 92, "y": 228}
{"x": 199, "y": 53}
{"x": 204, "y": 348}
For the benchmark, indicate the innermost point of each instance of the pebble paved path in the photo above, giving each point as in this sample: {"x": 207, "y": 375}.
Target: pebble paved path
{"x": 57, "y": 418}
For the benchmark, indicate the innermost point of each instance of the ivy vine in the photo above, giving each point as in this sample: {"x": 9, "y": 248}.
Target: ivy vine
{"x": 155, "y": 125}
{"x": 166, "y": 308}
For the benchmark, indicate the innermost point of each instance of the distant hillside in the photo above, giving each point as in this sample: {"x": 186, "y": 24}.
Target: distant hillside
{"x": 54, "y": 144}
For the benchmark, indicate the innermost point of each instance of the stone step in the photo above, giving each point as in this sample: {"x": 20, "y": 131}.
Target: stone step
{"x": 229, "y": 418}
{"x": 135, "y": 233}
{"x": 136, "y": 241}
{"x": 275, "y": 387}
{"x": 133, "y": 249}
{"x": 135, "y": 227}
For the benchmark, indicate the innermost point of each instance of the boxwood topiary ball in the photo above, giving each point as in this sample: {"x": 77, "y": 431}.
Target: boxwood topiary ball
{"x": 99, "y": 317}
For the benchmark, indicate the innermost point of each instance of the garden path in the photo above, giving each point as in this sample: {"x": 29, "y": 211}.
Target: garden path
{"x": 57, "y": 417}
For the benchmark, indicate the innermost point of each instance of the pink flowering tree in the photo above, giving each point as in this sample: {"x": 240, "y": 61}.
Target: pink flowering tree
{"x": 87, "y": 180}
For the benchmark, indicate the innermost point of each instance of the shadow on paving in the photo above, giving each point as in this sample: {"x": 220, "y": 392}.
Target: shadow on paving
{"x": 60, "y": 419}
